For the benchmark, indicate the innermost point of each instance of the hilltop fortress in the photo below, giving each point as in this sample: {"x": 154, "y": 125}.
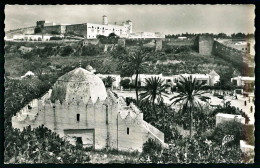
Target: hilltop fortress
{"x": 85, "y": 30}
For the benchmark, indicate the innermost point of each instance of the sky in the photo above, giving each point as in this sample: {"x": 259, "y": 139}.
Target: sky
{"x": 169, "y": 19}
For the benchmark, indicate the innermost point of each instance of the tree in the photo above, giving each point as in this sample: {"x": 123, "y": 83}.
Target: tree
{"x": 112, "y": 35}
{"x": 125, "y": 83}
{"x": 108, "y": 81}
{"x": 37, "y": 30}
{"x": 189, "y": 96}
{"x": 67, "y": 51}
{"x": 133, "y": 63}
{"x": 154, "y": 88}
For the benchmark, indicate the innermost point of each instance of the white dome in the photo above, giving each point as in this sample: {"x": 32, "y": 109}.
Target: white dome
{"x": 78, "y": 84}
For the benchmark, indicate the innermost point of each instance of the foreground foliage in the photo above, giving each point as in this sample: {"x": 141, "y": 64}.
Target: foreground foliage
{"x": 195, "y": 150}
{"x": 40, "y": 145}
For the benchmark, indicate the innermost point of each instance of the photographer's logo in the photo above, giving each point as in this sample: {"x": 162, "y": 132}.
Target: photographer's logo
{"x": 227, "y": 138}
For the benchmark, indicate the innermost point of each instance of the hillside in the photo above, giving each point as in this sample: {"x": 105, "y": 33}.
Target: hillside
{"x": 54, "y": 57}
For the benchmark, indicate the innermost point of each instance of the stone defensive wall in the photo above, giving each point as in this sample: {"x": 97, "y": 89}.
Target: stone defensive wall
{"x": 27, "y": 30}
{"x": 177, "y": 42}
{"x": 42, "y": 43}
{"x": 228, "y": 53}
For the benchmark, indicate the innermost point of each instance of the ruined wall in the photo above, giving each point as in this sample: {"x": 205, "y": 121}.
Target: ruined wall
{"x": 27, "y": 30}
{"x": 228, "y": 53}
{"x": 158, "y": 45}
{"x": 57, "y": 28}
{"x": 205, "y": 45}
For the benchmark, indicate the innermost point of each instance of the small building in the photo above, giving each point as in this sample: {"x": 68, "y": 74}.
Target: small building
{"x": 221, "y": 118}
{"x": 80, "y": 109}
{"x": 208, "y": 79}
{"x": 116, "y": 79}
{"x": 182, "y": 38}
{"x": 214, "y": 78}
{"x": 141, "y": 78}
{"x": 90, "y": 69}
{"x": 243, "y": 81}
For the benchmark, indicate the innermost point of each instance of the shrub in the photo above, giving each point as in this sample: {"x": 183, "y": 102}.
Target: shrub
{"x": 54, "y": 32}
{"x": 125, "y": 83}
{"x": 27, "y": 55}
{"x": 168, "y": 50}
{"x": 67, "y": 51}
{"x": 90, "y": 50}
{"x": 151, "y": 151}
{"x": 37, "y": 30}
{"x": 55, "y": 38}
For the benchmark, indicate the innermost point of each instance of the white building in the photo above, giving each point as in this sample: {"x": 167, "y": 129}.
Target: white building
{"x": 142, "y": 77}
{"x": 182, "y": 38}
{"x": 92, "y": 30}
{"x": 243, "y": 80}
{"x": 146, "y": 35}
{"x": 209, "y": 79}
{"x": 116, "y": 79}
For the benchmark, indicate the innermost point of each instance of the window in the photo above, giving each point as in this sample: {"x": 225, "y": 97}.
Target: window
{"x": 127, "y": 131}
{"x": 79, "y": 141}
{"x": 29, "y": 107}
{"x": 78, "y": 117}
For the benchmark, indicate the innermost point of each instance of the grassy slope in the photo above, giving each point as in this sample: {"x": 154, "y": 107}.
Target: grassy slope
{"x": 191, "y": 62}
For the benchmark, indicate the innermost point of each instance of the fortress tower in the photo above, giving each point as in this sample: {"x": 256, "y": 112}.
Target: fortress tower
{"x": 105, "y": 21}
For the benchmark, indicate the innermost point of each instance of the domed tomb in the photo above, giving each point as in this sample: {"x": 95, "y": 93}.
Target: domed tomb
{"x": 78, "y": 84}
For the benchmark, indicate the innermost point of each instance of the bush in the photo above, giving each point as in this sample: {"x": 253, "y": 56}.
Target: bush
{"x": 67, "y": 51}
{"x": 27, "y": 55}
{"x": 168, "y": 50}
{"x": 55, "y": 38}
{"x": 40, "y": 145}
{"x": 198, "y": 150}
{"x": 90, "y": 50}
{"x": 54, "y": 32}
{"x": 125, "y": 83}
{"x": 37, "y": 30}
{"x": 152, "y": 150}
{"x": 119, "y": 52}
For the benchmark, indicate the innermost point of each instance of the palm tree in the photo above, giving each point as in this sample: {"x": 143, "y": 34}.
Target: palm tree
{"x": 189, "y": 96}
{"x": 154, "y": 88}
{"x": 133, "y": 63}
